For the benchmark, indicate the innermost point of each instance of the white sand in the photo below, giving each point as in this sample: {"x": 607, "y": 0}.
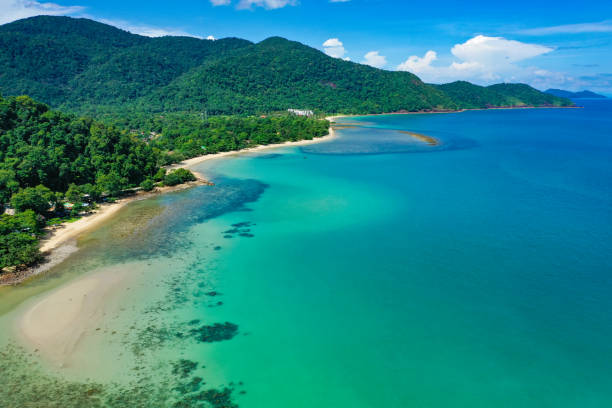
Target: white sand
{"x": 200, "y": 159}
{"x": 69, "y": 231}
{"x": 56, "y": 323}
{"x": 66, "y": 232}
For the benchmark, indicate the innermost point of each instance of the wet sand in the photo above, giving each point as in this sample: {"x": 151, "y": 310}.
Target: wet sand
{"x": 54, "y": 324}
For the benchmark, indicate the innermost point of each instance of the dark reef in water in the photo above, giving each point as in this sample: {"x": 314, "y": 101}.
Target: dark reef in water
{"x": 215, "y": 332}
{"x": 155, "y": 336}
{"x": 269, "y": 156}
{"x": 25, "y": 384}
{"x": 183, "y": 368}
{"x": 208, "y": 398}
{"x": 373, "y": 140}
{"x": 242, "y": 229}
{"x": 153, "y": 228}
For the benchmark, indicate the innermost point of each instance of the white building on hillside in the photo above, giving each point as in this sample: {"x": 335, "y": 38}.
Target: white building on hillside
{"x": 301, "y": 112}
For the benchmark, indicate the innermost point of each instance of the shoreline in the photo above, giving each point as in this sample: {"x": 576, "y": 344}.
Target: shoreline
{"x": 55, "y": 324}
{"x": 451, "y": 111}
{"x": 189, "y": 163}
{"x": 60, "y": 241}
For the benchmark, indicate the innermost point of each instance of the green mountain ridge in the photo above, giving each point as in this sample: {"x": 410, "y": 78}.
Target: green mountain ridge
{"x": 85, "y": 66}
{"x": 74, "y": 64}
{"x": 470, "y": 96}
{"x": 569, "y": 94}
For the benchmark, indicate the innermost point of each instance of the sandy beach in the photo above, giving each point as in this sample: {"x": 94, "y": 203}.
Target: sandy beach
{"x": 61, "y": 240}
{"x": 54, "y": 324}
{"x": 200, "y": 159}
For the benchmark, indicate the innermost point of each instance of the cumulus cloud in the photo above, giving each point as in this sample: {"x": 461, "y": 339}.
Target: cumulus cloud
{"x": 220, "y": 2}
{"x": 374, "y": 59}
{"x": 416, "y": 64}
{"x": 481, "y": 59}
{"x": 17, "y": 9}
{"x": 334, "y": 48}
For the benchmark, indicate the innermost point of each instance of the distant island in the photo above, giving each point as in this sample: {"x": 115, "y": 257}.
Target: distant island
{"x": 574, "y": 95}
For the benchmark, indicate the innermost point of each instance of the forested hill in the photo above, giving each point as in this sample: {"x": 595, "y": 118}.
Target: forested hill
{"x": 277, "y": 74}
{"x": 89, "y": 67}
{"x": 470, "y": 96}
{"x": 577, "y": 95}
{"x": 80, "y": 63}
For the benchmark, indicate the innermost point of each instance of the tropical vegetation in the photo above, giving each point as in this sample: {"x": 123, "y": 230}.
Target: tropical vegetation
{"x": 84, "y": 66}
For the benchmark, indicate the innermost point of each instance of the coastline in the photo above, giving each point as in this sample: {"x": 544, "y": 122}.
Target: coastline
{"x": 60, "y": 242}
{"x": 189, "y": 163}
{"x": 55, "y": 324}
{"x": 453, "y": 111}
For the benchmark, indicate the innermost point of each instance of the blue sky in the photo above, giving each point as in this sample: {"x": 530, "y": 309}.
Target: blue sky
{"x": 544, "y": 43}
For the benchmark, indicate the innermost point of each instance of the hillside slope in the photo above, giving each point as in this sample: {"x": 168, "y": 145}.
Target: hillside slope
{"x": 88, "y": 67}
{"x": 277, "y": 74}
{"x": 79, "y": 63}
{"x": 569, "y": 94}
{"x": 470, "y": 96}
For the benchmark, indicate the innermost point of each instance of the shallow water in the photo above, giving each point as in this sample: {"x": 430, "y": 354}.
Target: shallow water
{"x": 360, "y": 273}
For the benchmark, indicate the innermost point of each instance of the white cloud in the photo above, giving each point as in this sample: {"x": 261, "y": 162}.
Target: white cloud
{"x": 496, "y": 50}
{"x": 211, "y": 38}
{"x": 334, "y": 48}
{"x": 374, "y": 59}
{"x": 598, "y": 27}
{"x": 482, "y": 60}
{"x": 416, "y": 65}
{"x": 267, "y": 4}
{"x": 249, "y": 4}
{"x": 333, "y": 42}
{"x": 12, "y": 10}
{"x": 143, "y": 29}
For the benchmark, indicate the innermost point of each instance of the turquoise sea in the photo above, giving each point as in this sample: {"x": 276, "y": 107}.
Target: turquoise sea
{"x": 372, "y": 270}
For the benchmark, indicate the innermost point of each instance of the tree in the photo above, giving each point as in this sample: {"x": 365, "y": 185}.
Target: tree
{"x": 18, "y": 238}
{"x": 94, "y": 192}
{"x": 39, "y": 199}
{"x": 147, "y": 185}
{"x": 178, "y": 176}
{"x": 159, "y": 176}
{"x": 111, "y": 183}
{"x": 8, "y": 186}
{"x": 18, "y": 249}
{"x": 74, "y": 194}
